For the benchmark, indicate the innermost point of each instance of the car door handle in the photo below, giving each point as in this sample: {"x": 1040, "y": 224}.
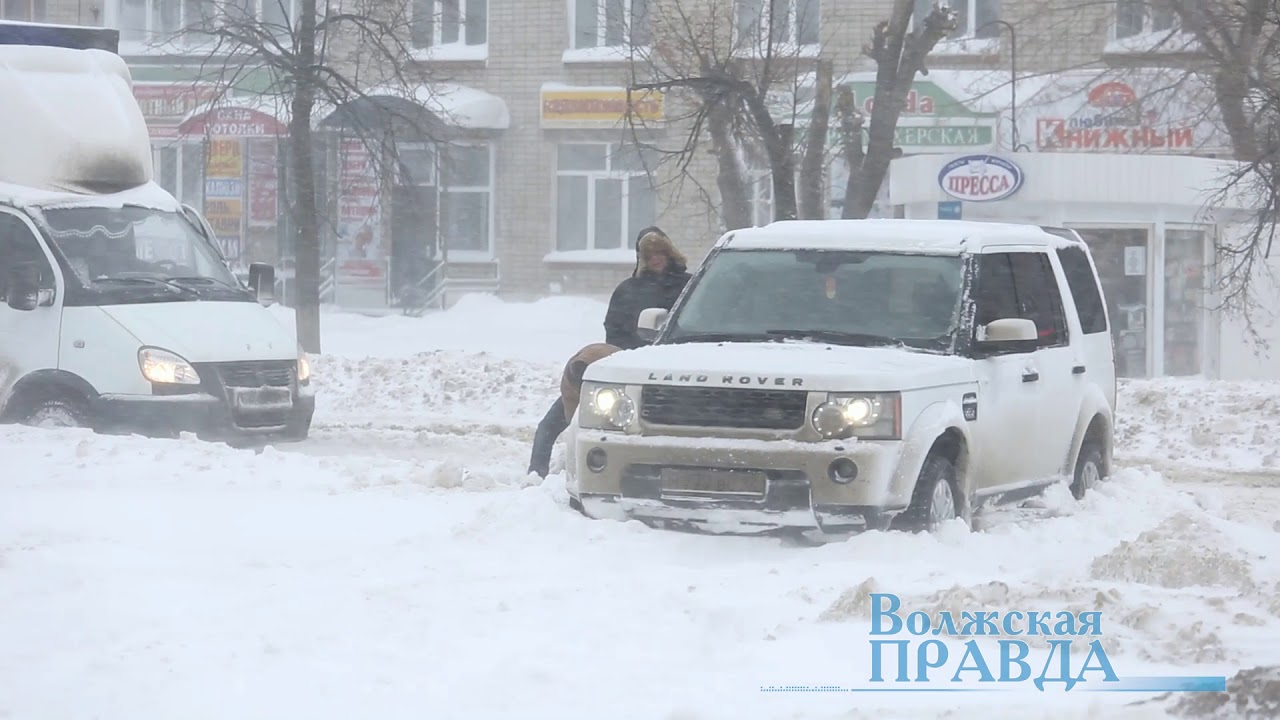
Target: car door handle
{"x": 1030, "y": 376}
{"x": 1077, "y": 370}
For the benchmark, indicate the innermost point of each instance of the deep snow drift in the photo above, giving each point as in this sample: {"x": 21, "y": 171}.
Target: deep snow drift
{"x": 401, "y": 564}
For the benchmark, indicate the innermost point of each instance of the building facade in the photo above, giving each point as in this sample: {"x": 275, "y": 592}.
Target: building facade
{"x": 541, "y": 187}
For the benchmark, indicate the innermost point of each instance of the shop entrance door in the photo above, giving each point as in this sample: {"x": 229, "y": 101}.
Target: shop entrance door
{"x": 1121, "y": 257}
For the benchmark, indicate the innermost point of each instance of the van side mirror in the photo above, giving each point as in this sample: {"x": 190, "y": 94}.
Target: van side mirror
{"x": 650, "y": 323}
{"x": 23, "y": 285}
{"x": 262, "y": 281}
{"x": 1008, "y": 335}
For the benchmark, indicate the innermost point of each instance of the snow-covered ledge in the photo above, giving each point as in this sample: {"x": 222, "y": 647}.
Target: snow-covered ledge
{"x": 1164, "y": 41}
{"x": 453, "y": 52}
{"x": 604, "y": 54}
{"x": 967, "y": 47}
{"x": 623, "y": 256}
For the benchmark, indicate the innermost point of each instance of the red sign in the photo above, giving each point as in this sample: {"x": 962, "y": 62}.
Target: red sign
{"x": 233, "y": 122}
{"x": 1112, "y": 95}
{"x": 170, "y": 102}
{"x": 1063, "y": 134}
{"x": 264, "y": 181}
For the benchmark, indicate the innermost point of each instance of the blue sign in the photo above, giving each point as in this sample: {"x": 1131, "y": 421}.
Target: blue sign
{"x": 949, "y": 210}
{"x": 980, "y": 178}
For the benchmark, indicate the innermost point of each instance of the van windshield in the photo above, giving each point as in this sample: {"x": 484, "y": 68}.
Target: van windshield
{"x": 136, "y": 248}
{"x": 841, "y": 297}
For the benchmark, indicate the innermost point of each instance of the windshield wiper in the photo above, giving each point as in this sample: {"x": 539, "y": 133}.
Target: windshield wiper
{"x": 838, "y": 337}
{"x": 150, "y": 281}
{"x": 720, "y": 337}
{"x": 202, "y": 280}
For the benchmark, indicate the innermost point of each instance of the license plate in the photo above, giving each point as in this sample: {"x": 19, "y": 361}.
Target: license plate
{"x": 713, "y": 482}
{"x": 263, "y": 398}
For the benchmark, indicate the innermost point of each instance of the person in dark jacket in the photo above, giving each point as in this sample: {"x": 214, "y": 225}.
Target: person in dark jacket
{"x": 660, "y": 274}
{"x": 556, "y": 421}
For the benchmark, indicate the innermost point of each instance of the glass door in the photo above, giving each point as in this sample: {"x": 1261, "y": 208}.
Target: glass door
{"x": 1184, "y": 301}
{"x": 1121, "y": 257}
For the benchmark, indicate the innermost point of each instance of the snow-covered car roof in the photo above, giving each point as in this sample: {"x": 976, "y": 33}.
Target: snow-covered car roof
{"x": 950, "y": 237}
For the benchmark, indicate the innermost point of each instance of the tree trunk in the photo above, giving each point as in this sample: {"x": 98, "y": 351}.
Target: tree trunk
{"x": 735, "y": 201}
{"x": 813, "y": 201}
{"x": 303, "y": 178}
{"x": 781, "y": 151}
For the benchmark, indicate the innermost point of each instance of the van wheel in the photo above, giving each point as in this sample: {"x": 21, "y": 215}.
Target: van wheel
{"x": 1089, "y": 470}
{"x": 57, "y": 412}
{"x": 934, "y": 501}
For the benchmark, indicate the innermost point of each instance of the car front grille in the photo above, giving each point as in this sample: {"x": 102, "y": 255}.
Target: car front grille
{"x": 256, "y": 374}
{"x": 723, "y": 407}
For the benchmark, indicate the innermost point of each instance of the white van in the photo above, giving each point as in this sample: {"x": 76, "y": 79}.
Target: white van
{"x": 838, "y": 375}
{"x": 117, "y": 310}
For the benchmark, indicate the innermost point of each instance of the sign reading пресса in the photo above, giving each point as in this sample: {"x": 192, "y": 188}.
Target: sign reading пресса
{"x": 980, "y": 178}
{"x": 996, "y": 651}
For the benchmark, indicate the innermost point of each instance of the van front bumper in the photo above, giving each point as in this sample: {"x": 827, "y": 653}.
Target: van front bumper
{"x": 208, "y": 417}
{"x": 798, "y": 490}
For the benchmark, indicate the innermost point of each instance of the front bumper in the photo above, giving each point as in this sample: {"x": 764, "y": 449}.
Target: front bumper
{"x": 799, "y": 492}
{"x": 208, "y": 417}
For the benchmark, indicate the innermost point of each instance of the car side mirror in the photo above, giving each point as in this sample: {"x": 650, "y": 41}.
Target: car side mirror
{"x": 23, "y": 287}
{"x": 650, "y": 323}
{"x": 1009, "y": 335}
{"x": 262, "y": 282}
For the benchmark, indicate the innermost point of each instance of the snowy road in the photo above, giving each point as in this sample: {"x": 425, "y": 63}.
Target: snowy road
{"x": 402, "y": 565}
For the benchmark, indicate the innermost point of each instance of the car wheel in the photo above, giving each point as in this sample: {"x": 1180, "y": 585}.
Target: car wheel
{"x": 934, "y": 501}
{"x": 1090, "y": 470}
{"x": 57, "y": 412}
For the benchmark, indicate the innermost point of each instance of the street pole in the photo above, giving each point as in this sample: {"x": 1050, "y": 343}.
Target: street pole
{"x": 1013, "y": 87}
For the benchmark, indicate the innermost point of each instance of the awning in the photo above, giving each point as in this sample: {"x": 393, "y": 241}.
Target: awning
{"x": 447, "y": 104}
{"x": 242, "y": 116}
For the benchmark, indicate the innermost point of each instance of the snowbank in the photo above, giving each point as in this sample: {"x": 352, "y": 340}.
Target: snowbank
{"x": 282, "y": 584}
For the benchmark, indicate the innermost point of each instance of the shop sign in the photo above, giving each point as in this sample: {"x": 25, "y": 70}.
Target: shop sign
{"x": 931, "y": 119}
{"x": 169, "y": 103}
{"x": 264, "y": 210}
{"x": 599, "y": 108}
{"x": 233, "y": 122}
{"x": 1112, "y": 120}
{"x": 980, "y": 178}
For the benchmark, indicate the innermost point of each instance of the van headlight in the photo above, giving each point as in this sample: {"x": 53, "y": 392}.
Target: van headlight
{"x": 870, "y": 416}
{"x": 304, "y": 367}
{"x": 605, "y": 407}
{"x": 166, "y": 368}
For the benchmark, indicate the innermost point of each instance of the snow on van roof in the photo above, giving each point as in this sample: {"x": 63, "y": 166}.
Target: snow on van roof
{"x": 69, "y": 121}
{"x": 149, "y": 195}
{"x": 928, "y": 236}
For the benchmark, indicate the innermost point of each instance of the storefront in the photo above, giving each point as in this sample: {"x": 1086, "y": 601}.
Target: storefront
{"x": 1145, "y": 219}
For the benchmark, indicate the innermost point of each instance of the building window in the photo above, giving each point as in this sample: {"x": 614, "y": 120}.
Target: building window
{"x": 604, "y": 196}
{"x": 1135, "y": 17}
{"x": 1185, "y": 291}
{"x": 467, "y": 198}
{"x": 609, "y": 23}
{"x": 147, "y": 21}
{"x": 179, "y": 169}
{"x": 973, "y": 17}
{"x": 773, "y": 23}
{"x": 23, "y": 10}
{"x": 449, "y": 22}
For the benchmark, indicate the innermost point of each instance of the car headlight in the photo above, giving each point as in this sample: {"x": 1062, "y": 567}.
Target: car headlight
{"x": 162, "y": 366}
{"x": 605, "y": 407}
{"x": 870, "y": 416}
{"x": 304, "y": 367}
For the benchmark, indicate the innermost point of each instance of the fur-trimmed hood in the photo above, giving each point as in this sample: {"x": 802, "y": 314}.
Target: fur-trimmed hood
{"x": 653, "y": 240}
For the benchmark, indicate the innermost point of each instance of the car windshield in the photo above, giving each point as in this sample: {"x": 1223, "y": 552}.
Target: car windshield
{"x": 851, "y": 298}
{"x": 134, "y": 247}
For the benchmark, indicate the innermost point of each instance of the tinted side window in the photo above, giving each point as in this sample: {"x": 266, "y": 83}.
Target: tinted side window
{"x": 18, "y": 245}
{"x": 995, "y": 297}
{"x": 1039, "y": 298}
{"x": 1084, "y": 288}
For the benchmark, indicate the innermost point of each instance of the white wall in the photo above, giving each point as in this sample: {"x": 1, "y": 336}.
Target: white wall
{"x": 1239, "y": 358}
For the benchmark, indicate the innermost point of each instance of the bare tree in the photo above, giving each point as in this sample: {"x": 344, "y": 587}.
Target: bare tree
{"x": 757, "y": 80}
{"x": 326, "y": 56}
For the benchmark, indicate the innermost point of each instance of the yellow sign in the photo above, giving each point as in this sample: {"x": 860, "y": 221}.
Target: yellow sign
{"x": 225, "y": 159}
{"x": 224, "y": 216}
{"x": 602, "y": 108}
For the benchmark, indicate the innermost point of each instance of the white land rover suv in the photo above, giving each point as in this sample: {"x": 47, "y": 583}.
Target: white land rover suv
{"x": 838, "y": 375}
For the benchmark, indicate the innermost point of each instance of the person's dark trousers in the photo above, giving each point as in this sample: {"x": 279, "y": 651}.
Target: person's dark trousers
{"x": 553, "y": 423}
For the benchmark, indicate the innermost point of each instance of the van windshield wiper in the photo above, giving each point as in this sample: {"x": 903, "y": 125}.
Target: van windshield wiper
{"x": 720, "y": 337}
{"x": 838, "y": 337}
{"x": 202, "y": 280}
{"x": 149, "y": 281}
